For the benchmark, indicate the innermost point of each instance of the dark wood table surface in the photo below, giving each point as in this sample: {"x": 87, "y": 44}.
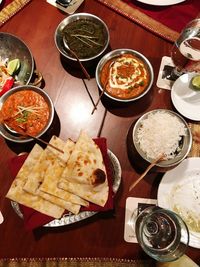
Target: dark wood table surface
{"x": 103, "y": 234}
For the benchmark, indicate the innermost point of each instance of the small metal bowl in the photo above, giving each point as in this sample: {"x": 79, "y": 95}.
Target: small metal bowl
{"x": 116, "y": 53}
{"x": 11, "y": 47}
{"x": 75, "y": 17}
{"x": 186, "y": 142}
{"x": 10, "y": 134}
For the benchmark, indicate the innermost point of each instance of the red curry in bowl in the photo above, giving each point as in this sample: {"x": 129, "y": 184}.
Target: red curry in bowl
{"x": 125, "y": 76}
{"x": 25, "y": 111}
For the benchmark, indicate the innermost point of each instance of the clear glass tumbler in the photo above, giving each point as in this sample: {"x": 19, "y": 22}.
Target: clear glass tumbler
{"x": 161, "y": 233}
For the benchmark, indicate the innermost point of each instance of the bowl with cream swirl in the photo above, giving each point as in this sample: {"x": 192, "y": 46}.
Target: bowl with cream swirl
{"x": 124, "y": 75}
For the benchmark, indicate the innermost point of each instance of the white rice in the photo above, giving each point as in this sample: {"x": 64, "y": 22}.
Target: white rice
{"x": 160, "y": 133}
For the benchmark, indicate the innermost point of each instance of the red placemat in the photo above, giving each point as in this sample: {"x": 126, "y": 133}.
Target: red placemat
{"x": 33, "y": 218}
{"x": 166, "y": 21}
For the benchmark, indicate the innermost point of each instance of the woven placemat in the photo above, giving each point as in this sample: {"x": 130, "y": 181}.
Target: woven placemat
{"x": 11, "y": 9}
{"x": 142, "y": 19}
{"x": 75, "y": 262}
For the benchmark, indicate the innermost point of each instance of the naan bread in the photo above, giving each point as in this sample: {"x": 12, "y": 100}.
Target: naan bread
{"x": 66, "y": 147}
{"x": 95, "y": 194}
{"x": 50, "y": 166}
{"x": 50, "y": 186}
{"x": 85, "y": 165}
{"x": 85, "y": 174}
{"x": 18, "y": 194}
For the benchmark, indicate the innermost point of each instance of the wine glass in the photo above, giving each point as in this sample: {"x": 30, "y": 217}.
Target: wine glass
{"x": 186, "y": 48}
{"x": 161, "y": 233}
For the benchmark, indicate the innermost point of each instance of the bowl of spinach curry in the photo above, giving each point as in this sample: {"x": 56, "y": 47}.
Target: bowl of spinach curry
{"x": 85, "y": 34}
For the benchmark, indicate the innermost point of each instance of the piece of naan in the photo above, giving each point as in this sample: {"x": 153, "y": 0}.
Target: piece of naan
{"x": 48, "y": 167}
{"x": 50, "y": 186}
{"x": 85, "y": 164}
{"x": 18, "y": 194}
{"x": 94, "y": 194}
{"x": 85, "y": 173}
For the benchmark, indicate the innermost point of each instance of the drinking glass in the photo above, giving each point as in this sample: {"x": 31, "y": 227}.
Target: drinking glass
{"x": 187, "y": 47}
{"x": 161, "y": 233}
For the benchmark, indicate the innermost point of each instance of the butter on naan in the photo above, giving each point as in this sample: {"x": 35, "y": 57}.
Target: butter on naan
{"x": 85, "y": 173}
{"x": 48, "y": 167}
{"x": 18, "y": 194}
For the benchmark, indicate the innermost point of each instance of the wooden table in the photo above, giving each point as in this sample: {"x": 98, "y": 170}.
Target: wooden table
{"x": 103, "y": 234}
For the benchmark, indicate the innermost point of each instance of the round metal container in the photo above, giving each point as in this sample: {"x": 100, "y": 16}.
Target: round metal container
{"x": 10, "y": 135}
{"x": 116, "y": 53}
{"x": 59, "y": 35}
{"x": 11, "y": 47}
{"x": 185, "y": 147}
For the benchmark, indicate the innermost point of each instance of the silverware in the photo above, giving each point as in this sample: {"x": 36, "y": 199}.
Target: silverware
{"x": 158, "y": 159}
{"x": 87, "y": 75}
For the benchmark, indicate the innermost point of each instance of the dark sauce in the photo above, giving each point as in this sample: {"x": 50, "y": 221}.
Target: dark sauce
{"x": 85, "y": 37}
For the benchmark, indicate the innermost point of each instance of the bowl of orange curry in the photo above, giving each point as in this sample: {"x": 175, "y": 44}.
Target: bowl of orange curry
{"x": 125, "y": 75}
{"x": 25, "y": 112}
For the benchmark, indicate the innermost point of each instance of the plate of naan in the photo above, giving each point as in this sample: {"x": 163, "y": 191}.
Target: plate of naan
{"x": 161, "y": 3}
{"x": 51, "y": 182}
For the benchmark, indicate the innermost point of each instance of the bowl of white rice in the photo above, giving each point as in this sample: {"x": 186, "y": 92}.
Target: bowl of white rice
{"x": 162, "y": 132}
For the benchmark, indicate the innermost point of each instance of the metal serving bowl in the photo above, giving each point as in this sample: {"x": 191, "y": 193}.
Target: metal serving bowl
{"x": 116, "y": 53}
{"x": 11, "y": 47}
{"x": 75, "y": 17}
{"x": 185, "y": 144}
{"x": 11, "y": 135}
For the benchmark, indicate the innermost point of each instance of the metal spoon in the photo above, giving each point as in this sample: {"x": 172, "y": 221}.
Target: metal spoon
{"x": 158, "y": 159}
{"x": 64, "y": 3}
{"x": 31, "y": 136}
{"x": 77, "y": 58}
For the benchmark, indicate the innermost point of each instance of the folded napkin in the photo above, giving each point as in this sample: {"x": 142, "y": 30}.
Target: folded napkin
{"x": 33, "y": 218}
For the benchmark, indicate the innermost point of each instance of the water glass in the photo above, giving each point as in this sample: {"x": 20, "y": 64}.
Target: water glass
{"x": 186, "y": 48}
{"x": 161, "y": 233}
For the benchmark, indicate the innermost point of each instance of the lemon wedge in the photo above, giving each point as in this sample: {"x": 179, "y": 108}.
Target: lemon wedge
{"x": 13, "y": 66}
{"x": 196, "y": 82}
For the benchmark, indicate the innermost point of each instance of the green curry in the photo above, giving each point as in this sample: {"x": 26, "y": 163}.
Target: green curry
{"x": 85, "y": 37}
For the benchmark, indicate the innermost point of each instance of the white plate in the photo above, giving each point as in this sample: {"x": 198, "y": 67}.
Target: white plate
{"x": 161, "y": 3}
{"x": 70, "y": 218}
{"x": 185, "y": 99}
{"x": 180, "y": 187}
